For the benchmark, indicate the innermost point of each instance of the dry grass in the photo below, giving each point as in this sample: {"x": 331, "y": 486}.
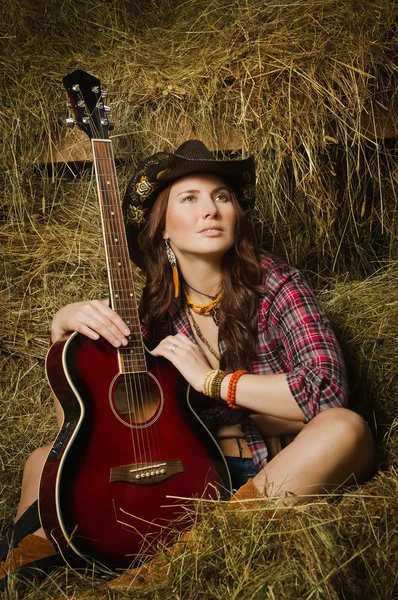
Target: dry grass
{"x": 365, "y": 315}
{"x": 339, "y": 547}
{"x": 309, "y": 86}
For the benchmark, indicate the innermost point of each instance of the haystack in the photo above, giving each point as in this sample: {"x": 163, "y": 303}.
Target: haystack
{"x": 309, "y": 87}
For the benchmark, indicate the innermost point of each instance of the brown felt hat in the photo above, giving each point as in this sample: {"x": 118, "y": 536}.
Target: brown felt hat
{"x": 163, "y": 168}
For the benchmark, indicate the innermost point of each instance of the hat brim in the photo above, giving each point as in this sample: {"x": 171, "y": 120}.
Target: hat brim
{"x": 236, "y": 173}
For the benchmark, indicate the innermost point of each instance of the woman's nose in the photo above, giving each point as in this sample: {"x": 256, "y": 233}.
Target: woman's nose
{"x": 209, "y": 208}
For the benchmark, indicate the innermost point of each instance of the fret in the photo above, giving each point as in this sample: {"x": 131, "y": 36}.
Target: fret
{"x": 123, "y": 299}
{"x": 131, "y": 351}
{"x": 113, "y": 219}
{"x": 116, "y": 269}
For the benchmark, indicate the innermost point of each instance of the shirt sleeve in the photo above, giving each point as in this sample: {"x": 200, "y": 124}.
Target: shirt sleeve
{"x": 316, "y": 372}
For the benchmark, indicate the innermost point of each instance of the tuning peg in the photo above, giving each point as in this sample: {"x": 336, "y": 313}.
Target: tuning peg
{"x": 103, "y": 93}
{"x": 70, "y": 122}
{"x": 76, "y": 87}
{"x": 95, "y": 89}
{"x": 101, "y": 106}
{"x": 104, "y": 122}
{"x": 81, "y": 104}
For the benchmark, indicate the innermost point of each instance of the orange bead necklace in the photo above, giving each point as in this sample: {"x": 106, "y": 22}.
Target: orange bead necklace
{"x": 212, "y": 308}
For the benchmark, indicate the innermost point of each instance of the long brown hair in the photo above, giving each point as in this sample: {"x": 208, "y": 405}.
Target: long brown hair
{"x": 241, "y": 284}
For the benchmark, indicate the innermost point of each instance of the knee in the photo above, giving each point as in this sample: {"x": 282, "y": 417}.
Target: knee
{"x": 342, "y": 422}
{"x": 348, "y": 434}
{"x": 348, "y": 428}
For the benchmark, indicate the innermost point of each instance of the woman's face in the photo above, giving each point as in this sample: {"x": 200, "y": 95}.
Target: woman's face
{"x": 200, "y": 217}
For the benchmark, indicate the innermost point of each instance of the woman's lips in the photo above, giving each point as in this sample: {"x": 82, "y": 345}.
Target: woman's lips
{"x": 212, "y": 231}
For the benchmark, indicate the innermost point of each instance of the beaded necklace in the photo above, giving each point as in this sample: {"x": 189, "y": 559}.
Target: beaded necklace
{"x": 212, "y": 308}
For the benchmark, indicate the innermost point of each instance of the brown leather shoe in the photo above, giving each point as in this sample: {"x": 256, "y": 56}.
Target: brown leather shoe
{"x": 246, "y": 492}
{"x": 31, "y": 548}
{"x": 156, "y": 568}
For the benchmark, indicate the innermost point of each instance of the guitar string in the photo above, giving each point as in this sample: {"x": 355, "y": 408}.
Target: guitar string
{"x": 138, "y": 398}
{"x": 133, "y": 388}
{"x": 113, "y": 277}
{"x": 135, "y": 408}
{"x": 136, "y": 392}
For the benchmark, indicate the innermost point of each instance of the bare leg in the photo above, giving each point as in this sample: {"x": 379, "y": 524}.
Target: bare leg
{"x": 32, "y": 472}
{"x": 31, "y": 479}
{"x": 335, "y": 447}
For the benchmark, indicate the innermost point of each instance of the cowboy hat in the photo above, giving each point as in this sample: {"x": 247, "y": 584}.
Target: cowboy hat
{"x": 164, "y": 168}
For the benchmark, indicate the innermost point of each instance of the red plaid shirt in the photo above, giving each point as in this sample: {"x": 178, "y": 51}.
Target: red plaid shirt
{"x": 294, "y": 337}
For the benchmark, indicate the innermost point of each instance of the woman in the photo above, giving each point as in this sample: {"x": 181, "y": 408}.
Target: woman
{"x": 243, "y": 329}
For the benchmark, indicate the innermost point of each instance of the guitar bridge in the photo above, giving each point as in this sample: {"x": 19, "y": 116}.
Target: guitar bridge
{"x": 146, "y": 473}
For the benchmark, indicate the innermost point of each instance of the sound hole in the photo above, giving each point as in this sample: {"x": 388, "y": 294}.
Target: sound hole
{"x": 137, "y": 399}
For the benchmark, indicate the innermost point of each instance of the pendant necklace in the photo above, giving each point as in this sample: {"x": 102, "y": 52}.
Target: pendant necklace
{"x": 201, "y": 293}
{"x": 201, "y": 336}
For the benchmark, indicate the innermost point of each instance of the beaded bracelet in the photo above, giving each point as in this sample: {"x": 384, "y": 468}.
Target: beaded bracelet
{"x": 212, "y": 383}
{"x": 233, "y": 382}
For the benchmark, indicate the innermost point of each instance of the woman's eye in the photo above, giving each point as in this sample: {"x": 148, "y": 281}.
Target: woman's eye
{"x": 188, "y": 199}
{"x": 222, "y": 198}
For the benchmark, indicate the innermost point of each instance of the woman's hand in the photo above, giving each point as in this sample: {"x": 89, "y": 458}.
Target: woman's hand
{"x": 93, "y": 318}
{"x": 186, "y": 357}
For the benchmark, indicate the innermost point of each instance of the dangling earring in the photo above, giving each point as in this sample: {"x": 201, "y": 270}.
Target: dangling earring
{"x": 173, "y": 264}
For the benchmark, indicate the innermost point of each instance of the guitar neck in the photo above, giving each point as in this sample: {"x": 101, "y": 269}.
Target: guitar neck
{"x": 120, "y": 277}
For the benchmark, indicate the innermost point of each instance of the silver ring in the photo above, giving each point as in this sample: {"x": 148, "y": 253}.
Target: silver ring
{"x": 173, "y": 348}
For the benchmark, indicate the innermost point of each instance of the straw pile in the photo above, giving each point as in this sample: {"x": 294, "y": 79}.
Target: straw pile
{"x": 308, "y": 86}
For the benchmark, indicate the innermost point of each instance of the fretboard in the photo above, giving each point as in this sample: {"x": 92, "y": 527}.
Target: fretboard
{"x": 121, "y": 284}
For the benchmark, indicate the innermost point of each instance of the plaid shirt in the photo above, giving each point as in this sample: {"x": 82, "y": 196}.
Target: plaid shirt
{"x": 294, "y": 337}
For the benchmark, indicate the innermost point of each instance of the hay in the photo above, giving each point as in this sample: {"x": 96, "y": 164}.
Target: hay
{"x": 308, "y": 86}
{"x": 337, "y": 547}
{"x": 365, "y": 316}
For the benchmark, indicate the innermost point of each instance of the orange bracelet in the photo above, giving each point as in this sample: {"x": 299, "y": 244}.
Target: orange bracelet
{"x": 233, "y": 382}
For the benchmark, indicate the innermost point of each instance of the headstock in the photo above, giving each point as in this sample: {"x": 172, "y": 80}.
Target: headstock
{"x": 87, "y": 103}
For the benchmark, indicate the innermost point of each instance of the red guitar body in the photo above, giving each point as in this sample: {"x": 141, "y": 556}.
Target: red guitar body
{"x": 124, "y": 466}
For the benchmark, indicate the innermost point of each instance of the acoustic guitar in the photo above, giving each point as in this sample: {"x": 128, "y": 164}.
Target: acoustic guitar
{"x": 132, "y": 453}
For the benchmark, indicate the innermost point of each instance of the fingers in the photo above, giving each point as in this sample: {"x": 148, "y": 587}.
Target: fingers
{"x": 181, "y": 341}
{"x": 175, "y": 345}
{"x": 111, "y": 316}
{"x": 93, "y": 318}
{"x": 186, "y": 356}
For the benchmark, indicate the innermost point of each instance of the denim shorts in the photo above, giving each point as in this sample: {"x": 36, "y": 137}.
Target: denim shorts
{"x": 241, "y": 469}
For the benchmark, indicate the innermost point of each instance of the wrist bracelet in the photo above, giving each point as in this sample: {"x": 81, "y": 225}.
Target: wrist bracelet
{"x": 206, "y": 382}
{"x": 233, "y": 382}
{"x": 212, "y": 383}
{"x": 216, "y": 384}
